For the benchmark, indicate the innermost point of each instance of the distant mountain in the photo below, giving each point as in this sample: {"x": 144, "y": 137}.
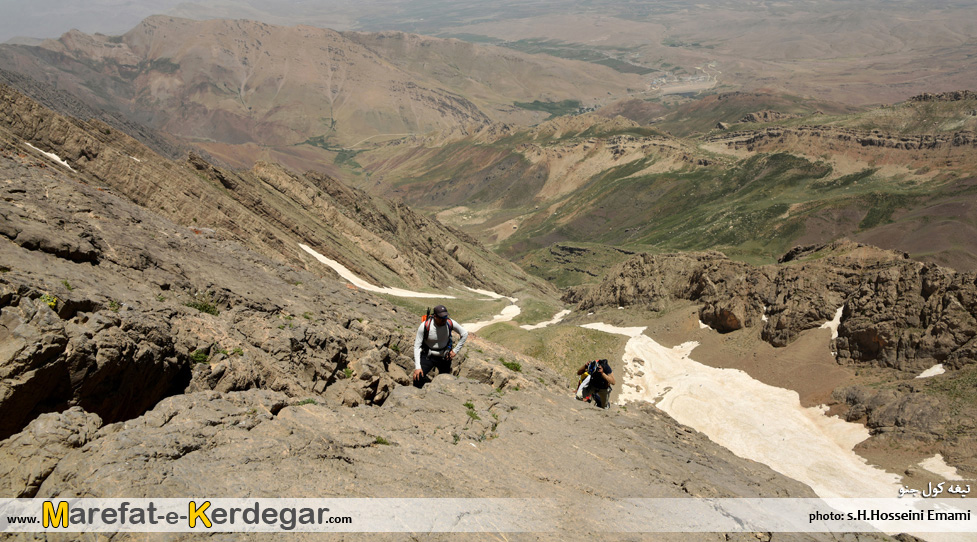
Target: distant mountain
{"x": 230, "y": 83}
{"x": 898, "y": 177}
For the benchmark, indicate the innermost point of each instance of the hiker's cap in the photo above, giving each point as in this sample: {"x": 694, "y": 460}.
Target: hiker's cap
{"x": 440, "y": 311}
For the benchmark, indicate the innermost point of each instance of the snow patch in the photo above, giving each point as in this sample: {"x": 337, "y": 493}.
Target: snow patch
{"x": 344, "y": 272}
{"x": 932, "y": 371}
{"x": 52, "y": 156}
{"x": 556, "y": 319}
{"x": 703, "y": 326}
{"x": 833, "y": 324}
{"x": 752, "y": 419}
{"x": 937, "y": 465}
{"x": 492, "y": 295}
{"x": 507, "y": 314}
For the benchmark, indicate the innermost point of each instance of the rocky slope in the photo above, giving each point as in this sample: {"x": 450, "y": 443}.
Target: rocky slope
{"x": 67, "y": 104}
{"x": 896, "y": 312}
{"x": 898, "y": 316}
{"x": 268, "y": 208}
{"x": 143, "y": 358}
{"x": 956, "y": 150}
{"x": 110, "y": 307}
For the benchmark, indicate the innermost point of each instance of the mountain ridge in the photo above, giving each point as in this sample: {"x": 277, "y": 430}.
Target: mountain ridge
{"x": 203, "y": 196}
{"x": 234, "y": 82}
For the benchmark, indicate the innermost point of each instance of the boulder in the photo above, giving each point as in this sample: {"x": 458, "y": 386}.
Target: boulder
{"x": 28, "y": 458}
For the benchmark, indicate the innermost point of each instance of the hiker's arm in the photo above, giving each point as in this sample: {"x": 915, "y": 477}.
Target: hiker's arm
{"x": 609, "y": 377}
{"x": 582, "y": 369}
{"x": 461, "y": 340}
{"x": 418, "y": 340}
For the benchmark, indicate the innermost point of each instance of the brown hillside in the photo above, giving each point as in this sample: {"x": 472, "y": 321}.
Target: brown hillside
{"x": 268, "y": 208}
{"x": 239, "y": 82}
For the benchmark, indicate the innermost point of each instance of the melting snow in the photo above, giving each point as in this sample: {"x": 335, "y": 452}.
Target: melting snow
{"x": 344, "y": 272}
{"x": 932, "y": 371}
{"x": 492, "y": 295}
{"x": 752, "y": 419}
{"x": 937, "y": 465}
{"x": 833, "y": 324}
{"x": 507, "y": 314}
{"x": 52, "y": 156}
{"x": 556, "y": 319}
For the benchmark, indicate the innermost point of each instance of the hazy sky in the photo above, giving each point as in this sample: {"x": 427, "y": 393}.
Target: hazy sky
{"x": 51, "y": 18}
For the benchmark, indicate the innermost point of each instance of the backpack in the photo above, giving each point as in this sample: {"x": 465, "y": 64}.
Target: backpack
{"x": 427, "y": 319}
{"x": 584, "y": 379}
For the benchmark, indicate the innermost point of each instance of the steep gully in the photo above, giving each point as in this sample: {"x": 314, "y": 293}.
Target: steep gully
{"x": 752, "y": 419}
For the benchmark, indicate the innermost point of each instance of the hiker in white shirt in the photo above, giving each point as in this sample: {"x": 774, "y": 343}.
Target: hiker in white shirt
{"x": 433, "y": 346}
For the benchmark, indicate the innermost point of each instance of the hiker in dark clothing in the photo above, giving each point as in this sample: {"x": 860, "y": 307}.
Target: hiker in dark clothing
{"x": 597, "y": 384}
{"x": 433, "y": 345}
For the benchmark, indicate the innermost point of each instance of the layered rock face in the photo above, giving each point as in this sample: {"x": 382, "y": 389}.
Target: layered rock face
{"x": 111, "y": 308}
{"x": 897, "y": 313}
{"x": 267, "y": 209}
{"x": 960, "y": 142}
{"x": 954, "y": 96}
{"x": 767, "y": 116}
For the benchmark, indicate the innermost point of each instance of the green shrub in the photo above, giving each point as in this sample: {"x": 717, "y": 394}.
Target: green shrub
{"x": 511, "y": 365}
{"x": 382, "y": 441}
{"x": 199, "y": 356}
{"x": 203, "y": 306}
{"x": 309, "y": 401}
{"x": 50, "y": 300}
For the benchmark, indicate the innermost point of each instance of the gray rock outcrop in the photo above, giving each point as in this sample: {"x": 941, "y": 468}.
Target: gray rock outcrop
{"x": 897, "y": 313}
{"x": 112, "y": 308}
